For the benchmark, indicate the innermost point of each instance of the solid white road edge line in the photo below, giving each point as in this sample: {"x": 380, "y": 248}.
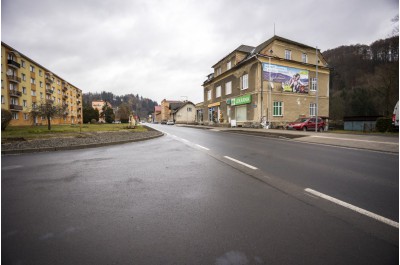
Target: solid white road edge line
{"x": 354, "y": 208}
{"x": 240, "y": 162}
{"x": 202, "y": 147}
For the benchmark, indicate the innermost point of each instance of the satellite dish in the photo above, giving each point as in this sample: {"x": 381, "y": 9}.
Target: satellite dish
{"x": 9, "y": 72}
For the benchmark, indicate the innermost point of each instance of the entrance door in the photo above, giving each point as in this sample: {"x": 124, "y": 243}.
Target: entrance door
{"x": 241, "y": 113}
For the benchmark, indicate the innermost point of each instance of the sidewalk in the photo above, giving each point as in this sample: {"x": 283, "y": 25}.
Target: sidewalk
{"x": 375, "y": 142}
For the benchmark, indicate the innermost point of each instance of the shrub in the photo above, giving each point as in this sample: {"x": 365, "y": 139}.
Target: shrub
{"x": 6, "y": 117}
{"x": 383, "y": 124}
{"x": 93, "y": 121}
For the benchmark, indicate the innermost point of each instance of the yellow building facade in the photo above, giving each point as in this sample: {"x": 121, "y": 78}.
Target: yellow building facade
{"x": 25, "y": 83}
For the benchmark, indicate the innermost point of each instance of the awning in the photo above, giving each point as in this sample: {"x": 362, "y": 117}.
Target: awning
{"x": 214, "y": 104}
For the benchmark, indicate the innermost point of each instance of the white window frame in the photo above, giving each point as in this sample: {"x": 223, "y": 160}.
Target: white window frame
{"x": 228, "y": 65}
{"x": 288, "y": 54}
{"x": 313, "y": 108}
{"x": 304, "y": 58}
{"x": 32, "y": 68}
{"x": 14, "y": 115}
{"x": 278, "y": 109}
{"x": 245, "y": 81}
{"x": 2, "y": 100}
{"x": 209, "y": 94}
{"x": 228, "y": 88}
{"x": 313, "y": 84}
{"x": 24, "y": 90}
{"x": 33, "y": 81}
{"x": 218, "y": 92}
{"x": 219, "y": 71}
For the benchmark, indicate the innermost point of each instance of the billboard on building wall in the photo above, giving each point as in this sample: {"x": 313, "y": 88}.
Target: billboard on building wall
{"x": 292, "y": 79}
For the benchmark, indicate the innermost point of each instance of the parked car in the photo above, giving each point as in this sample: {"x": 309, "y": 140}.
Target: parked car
{"x": 170, "y": 122}
{"x": 306, "y": 124}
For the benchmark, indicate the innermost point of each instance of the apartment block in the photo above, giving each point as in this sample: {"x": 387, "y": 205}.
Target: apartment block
{"x": 275, "y": 82}
{"x": 25, "y": 83}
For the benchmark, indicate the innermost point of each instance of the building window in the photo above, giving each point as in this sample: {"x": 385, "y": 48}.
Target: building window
{"x": 24, "y": 90}
{"x": 288, "y": 54}
{"x": 33, "y": 81}
{"x": 41, "y": 95}
{"x": 241, "y": 113}
{"x": 313, "y": 108}
{"x": 26, "y": 116}
{"x": 228, "y": 88}
{"x": 23, "y": 76}
{"x": 278, "y": 108}
{"x": 33, "y": 93}
{"x": 40, "y": 83}
{"x": 245, "y": 81}
{"x": 304, "y": 58}
{"x": 189, "y": 109}
{"x": 2, "y": 100}
{"x": 14, "y": 115}
{"x": 24, "y": 103}
{"x": 32, "y": 68}
{"x": 218, "y": 92}
{"x": 23, "y": 63}
{"x": 228, "y": 65}
{"x": 313, "y": 84}
{"x": 209, "y": 95}
{"x": 13, "y": 86}
{"x": 14, "y": 101}
{"x": 40, "y": 72}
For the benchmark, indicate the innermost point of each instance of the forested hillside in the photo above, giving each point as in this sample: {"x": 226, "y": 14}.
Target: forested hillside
{"x": 141, "y": 106}
{"x": 364, "y": 79}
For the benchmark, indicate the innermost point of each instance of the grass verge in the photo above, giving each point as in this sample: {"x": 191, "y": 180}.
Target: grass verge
{"x": 41, "y": 131}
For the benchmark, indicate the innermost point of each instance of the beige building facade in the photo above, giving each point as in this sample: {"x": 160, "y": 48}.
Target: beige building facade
{"x": 275, "y": 83}
{"x": 26, "y": 83}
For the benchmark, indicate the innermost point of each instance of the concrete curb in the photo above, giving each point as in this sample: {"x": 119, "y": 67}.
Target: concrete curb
{"x": 74, "y": 147}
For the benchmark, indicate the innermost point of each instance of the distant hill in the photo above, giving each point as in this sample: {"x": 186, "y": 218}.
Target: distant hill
{"x": 364, "y": 78}
{"x": 141, "y": 106}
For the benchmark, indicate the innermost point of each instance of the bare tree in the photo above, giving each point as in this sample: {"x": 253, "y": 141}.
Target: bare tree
{"x": 48, "y": 110}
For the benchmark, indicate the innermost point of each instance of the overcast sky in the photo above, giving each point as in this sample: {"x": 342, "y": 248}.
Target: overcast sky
{"x": 165, "y": 49}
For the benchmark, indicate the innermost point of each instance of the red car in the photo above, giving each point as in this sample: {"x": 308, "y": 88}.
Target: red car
{"x": 306, "y": 124}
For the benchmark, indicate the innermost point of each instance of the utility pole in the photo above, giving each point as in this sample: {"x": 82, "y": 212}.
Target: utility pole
{"x": 316, "y": 88}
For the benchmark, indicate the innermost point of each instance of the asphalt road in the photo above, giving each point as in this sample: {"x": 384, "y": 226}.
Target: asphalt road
{"x": 181, "y": 199}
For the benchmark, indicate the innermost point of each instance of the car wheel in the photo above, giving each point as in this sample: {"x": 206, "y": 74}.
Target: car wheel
{"x": 305, "y": 128}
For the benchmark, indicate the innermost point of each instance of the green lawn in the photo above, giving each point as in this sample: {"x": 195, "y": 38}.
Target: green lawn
{"x": 41, "y": 131}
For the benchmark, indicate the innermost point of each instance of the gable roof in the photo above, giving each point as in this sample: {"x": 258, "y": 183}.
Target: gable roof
{"x": 242, "y": 48}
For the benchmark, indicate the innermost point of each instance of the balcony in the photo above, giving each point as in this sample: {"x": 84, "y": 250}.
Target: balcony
{"x": 49, "y": 91}
{"x": 15, "y": 107}
{"x": 13, "y": 63}
{"x": 64, "y": 88}
{"x": 15, "y": 93}
{"x": 48, "y": 79}
{"x": 78, "y": 102}
{"x": 14, "y": 78}
{"x": 65, "y": 96}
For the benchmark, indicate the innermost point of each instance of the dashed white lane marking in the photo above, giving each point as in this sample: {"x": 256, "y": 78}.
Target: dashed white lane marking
{"x": 11, "y": 167}
{"x": 205, "y": 148}
{"x": 354, "y": 208}
{"x": 240, "y": 162}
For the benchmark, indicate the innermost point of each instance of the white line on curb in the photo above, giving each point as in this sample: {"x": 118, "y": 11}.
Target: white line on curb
{"x": 202, "y": 147}
{"x": 240, "y": 162}
{"x": 354, "y": 208}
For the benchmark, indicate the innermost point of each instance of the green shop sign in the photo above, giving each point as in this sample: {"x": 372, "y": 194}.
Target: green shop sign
{"x": 246, "y": 99}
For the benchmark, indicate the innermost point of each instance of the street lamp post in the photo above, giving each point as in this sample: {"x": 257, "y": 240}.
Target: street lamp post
{"x": 316, "y": 89}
